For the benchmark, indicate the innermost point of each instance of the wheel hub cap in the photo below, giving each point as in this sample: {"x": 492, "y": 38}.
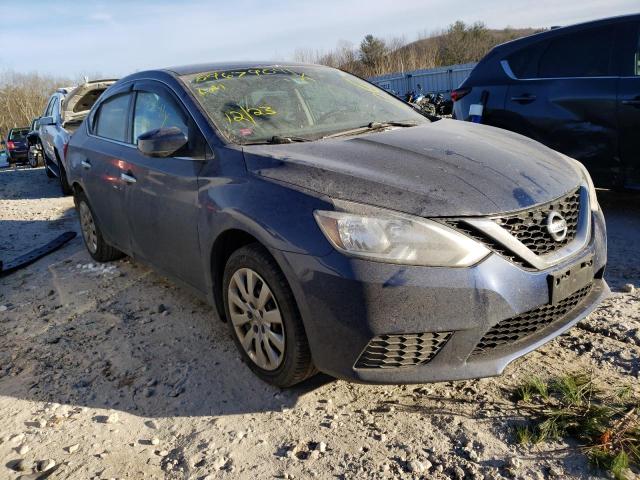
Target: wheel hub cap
{"x": 256, "y": 319}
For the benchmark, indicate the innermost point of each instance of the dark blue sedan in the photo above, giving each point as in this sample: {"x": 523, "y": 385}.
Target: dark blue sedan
{"x": 335, "y": 228}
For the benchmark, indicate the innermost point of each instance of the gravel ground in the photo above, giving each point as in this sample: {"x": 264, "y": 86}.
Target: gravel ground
{"x": 110, "y": 371}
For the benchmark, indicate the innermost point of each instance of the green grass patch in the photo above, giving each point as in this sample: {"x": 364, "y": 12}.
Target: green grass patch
{"x": 607, "y": 424}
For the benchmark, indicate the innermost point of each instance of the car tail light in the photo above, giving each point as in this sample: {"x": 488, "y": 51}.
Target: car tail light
{"x": 64, "y": 149}
{"x": 11, "y": 145}
{"x": 458, "y": 93}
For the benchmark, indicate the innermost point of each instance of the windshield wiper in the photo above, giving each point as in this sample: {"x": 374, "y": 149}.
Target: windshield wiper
{"x": 371, "y": 127}
{"x": 288, "y": 139}
{"x": 279, "y": 139}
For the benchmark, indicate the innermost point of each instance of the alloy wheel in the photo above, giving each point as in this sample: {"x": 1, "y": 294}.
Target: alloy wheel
{"x": 88, "y": 227}
{"x": 256, "y": 319}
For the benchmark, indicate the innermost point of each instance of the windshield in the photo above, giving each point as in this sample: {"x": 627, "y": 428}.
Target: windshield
{"x": 252, "y": 105}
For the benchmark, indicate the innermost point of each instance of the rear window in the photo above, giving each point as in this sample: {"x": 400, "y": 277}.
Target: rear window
{"x": 524, "y": 63}
{"x": 18, "y": 134}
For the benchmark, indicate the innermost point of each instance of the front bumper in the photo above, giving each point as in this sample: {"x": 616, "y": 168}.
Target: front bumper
{"x": 346, "y": 303}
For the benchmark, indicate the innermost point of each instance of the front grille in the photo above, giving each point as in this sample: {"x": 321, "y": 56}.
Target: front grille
{"x": 517, "y": 328}
{"x": 405, "y": 350}
{"x": 492, "y": 244}
{"x": 529, "y": 226}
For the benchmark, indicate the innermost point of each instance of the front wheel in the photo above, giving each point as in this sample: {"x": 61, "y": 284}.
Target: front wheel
{"x": 35, "y": 158}
{"x": 263, "y": 318}
{"x": 99, "y": 250}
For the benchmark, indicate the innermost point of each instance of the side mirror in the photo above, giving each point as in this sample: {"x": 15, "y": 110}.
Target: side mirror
{"x": 162, "y": 142}
{"x": 44, "y": 121}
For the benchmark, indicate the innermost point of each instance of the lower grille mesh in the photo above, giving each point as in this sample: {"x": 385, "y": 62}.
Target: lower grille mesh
{"x": 409, "y": 349}
{"x": 513, "y": 329}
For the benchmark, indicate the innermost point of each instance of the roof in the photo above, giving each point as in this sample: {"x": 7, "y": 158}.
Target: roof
{"x": 559, "y": 31}
{"x": 209, "y": 67}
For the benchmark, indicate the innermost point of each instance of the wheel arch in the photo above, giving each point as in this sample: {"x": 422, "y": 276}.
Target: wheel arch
{"x": 225, "y": 244}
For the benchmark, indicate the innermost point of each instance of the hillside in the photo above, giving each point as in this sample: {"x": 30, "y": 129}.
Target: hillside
{"x": 459, "y": 43}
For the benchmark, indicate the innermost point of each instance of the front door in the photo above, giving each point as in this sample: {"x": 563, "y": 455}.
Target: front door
{"x": 162, "y": 194}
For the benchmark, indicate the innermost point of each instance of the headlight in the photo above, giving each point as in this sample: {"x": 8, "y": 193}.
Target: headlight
{"x": 392, "y": 237}
{"x": 593, "y": 199}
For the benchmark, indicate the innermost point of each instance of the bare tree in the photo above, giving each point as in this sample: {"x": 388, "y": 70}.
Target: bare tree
{"x": 23, "y": 96}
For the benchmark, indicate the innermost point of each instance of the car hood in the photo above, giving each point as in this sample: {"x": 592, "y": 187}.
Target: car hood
{"x": 446, "y": 168}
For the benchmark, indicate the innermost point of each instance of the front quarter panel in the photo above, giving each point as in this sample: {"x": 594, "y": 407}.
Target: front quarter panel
{"x": 279, "y": 215}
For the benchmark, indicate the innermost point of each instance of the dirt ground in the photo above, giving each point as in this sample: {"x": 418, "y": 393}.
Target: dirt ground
{"x": 97, "y": 378}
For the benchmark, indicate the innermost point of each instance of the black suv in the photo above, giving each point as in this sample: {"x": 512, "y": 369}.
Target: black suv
{"x": 16, "y": 145}
{"x": 575, "y": 89}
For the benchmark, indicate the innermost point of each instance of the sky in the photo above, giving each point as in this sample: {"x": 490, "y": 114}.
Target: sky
{"x": 113, "y": 38}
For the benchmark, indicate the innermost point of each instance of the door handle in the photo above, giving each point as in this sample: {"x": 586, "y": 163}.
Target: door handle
{"x": 86, "y": 164}
{"x": 128, "y": 178}
{"x": 526, "y": 98}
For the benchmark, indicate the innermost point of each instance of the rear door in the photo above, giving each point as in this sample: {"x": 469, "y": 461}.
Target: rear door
{"x": 565, "y": 97}
{"x": 103, "y": 160}
{"x": 628, "y": 49}
{"x": 161, "y": 198}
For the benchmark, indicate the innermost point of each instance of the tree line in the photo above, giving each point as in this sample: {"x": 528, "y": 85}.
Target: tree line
{"x": 459, "y": 43}
{"x": 23, "y": 97}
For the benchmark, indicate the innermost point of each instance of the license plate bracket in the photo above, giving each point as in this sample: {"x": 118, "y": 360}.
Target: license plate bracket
{"x": 567, "y": 281}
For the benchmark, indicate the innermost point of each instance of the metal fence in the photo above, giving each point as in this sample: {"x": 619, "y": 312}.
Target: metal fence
{"x": 437, "y": 80}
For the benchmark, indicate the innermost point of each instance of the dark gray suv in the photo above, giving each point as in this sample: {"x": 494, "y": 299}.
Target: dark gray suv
{"x": 333, "y": 227}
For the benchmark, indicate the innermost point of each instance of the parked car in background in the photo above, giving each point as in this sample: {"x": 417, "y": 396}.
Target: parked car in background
{"x": 16, "y": 145}
{"x": 576, "y": 89}
{"x": 334, "y": 227}
{"x": 34, "y": 146}
{"x": 66, "y": 109}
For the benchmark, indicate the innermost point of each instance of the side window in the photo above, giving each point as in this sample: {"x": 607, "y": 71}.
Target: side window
{"x": 55, "y": 108}
{"x": 47, "y": 112}
{"x": 156, "y": 111}
{"x": 524, "y": 62}
{"x": 584, "y": 54}
{"x": 111, "y": 118}
{"x": 628, "y": 50}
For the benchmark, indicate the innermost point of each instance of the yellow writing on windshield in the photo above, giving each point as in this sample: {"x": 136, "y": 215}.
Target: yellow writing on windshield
{"x": 203, "y": 92}
{"x": 242, "y": 114}
{"x": 251, "y": 72}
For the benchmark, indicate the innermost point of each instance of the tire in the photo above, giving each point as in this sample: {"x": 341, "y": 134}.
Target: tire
{"x": 99, "y": 250}
{"x": 294, "y": 363}
{"x": 35, "y": 157}
{"x": 47, "y": 170}
{"x": 64, "y": 183}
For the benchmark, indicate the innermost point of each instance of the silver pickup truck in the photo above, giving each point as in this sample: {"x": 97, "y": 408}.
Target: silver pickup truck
{"x": 66, "y": 109}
